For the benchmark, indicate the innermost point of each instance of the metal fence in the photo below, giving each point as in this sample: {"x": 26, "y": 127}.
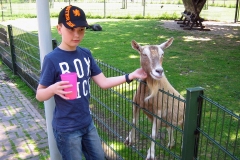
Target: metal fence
{"x": 210, "y": 131}
{"x": 124, "y": 9}
{"x": 219, "y": 132}
{"x": 113, "y": 113}
{"x": 21, "y": 54}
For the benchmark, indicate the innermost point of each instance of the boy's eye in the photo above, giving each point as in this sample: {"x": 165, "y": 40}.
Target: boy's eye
{"x": 82, "y": 29}
{"x": 77, "y": 29}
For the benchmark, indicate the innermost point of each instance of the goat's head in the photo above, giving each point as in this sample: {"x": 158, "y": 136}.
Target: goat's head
{"x": 151, "y": 57}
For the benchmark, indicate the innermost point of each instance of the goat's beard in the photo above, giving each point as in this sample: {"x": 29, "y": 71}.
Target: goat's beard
{"x": 152, "y": 87}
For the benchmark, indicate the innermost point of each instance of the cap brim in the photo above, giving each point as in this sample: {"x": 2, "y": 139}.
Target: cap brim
{"x": 77, "y": 24}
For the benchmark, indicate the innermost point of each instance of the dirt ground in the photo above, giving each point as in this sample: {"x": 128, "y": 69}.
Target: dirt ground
{"x": 216, "y": 28}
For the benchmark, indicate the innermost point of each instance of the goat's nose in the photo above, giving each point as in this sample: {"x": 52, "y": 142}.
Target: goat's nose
{"x": 159, "y": 71}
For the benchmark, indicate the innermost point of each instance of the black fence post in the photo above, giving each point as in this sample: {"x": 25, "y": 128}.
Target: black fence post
{"x": 191, "y": 123}
{"x": 12, "y": 47}
{"x": 54, "y": 43}
{"x": 237, "y": 12}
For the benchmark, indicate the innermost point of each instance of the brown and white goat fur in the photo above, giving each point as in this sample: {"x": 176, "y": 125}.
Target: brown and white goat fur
{"x": 158, "y": 103}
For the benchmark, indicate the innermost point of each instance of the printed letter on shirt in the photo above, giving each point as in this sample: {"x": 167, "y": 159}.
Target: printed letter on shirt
{"x": 64, "y": 67}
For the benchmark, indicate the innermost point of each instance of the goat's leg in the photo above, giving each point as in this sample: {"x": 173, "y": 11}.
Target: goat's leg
{"x": 131, "y": 137}
{"x": 182, "y": 135}
{"x": 171, "y": 141}
{"x": 151, "y": 150}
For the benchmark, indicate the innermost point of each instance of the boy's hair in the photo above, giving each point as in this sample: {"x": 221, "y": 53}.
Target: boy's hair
{"x": 72, "y": 17}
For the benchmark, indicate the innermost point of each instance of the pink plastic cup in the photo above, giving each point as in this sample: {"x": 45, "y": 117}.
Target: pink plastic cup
{"x": 72, "y": 78}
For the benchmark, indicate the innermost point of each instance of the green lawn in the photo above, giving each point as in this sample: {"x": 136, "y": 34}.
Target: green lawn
{"x": 194, "y": 58}
{"x": 201, "y": 59}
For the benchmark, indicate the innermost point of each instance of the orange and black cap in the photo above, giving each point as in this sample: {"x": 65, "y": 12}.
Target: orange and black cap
{"x": 72, "y": 17}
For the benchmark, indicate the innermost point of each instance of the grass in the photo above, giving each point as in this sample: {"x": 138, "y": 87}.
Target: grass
{"x": 194, "y": 58}
{"x": 201, "y": 59}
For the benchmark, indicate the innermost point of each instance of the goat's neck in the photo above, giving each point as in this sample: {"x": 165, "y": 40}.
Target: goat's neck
{"x": 155, "y": 85}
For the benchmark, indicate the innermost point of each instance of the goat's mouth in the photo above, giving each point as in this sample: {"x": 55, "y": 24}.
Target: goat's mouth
{"x": 156, "y": 77}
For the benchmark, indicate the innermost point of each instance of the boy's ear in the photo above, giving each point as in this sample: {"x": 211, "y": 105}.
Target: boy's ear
{"x": 59, "y": 29}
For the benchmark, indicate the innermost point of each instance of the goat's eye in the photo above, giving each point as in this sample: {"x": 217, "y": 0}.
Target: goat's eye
{"x": 144, "y": 55}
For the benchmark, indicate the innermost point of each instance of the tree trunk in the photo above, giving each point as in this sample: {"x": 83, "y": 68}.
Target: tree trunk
{"x": 194, "y": 6}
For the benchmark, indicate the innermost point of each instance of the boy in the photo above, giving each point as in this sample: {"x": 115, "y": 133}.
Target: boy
{"x": 72, "y": 123}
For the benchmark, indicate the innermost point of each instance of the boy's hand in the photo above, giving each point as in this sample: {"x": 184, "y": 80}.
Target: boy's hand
{"x": 138, "y": 73}
{"x": 58, "y": 88}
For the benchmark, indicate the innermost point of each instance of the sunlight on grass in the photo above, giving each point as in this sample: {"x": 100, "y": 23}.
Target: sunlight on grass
{"x": 123, "y": 87}
{"x": 234, "y": 137}
{"x": 163, "y": 37}
{"x": 217, "y": 87}
{"x": 191, "y": 38}
{"x": 133, "y": 56}
{"x": 174, "y": 57}
{"x": 96, "y": 48}
{"x": 117, "y": 146}
{"x": 138, "y": 26}
{"x": 229, "y": 36}
{"x": 182, "y": 92}
{"x": 142, "y": 44}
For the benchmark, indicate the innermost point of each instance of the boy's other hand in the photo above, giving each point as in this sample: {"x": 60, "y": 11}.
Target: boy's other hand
{"x": 59, "y": 87}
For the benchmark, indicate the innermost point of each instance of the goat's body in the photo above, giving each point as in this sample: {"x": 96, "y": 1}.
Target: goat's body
{"x": 148, "y": 96}
{"x": 170, "y": 110}
{"x": 161, "y": 105}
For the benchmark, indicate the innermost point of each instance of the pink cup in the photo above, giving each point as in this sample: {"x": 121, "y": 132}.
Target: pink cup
{"x": 72, "y": 78}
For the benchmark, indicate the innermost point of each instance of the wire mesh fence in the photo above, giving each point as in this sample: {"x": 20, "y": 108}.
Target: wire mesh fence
{"x": 22, "y": 55}
{"x": 113, "y": 113}
{"x": 216, "y": 136}
{"x": 5, "y": 46}
{"x": 220, "y": 132}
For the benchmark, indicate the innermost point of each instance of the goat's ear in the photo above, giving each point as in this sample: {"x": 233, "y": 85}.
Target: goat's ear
{"x": 167, "y": 43}
{"x": 136, "y": 46}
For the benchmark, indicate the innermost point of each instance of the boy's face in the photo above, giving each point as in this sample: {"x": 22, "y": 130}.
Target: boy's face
{"x": 70, "y": 37}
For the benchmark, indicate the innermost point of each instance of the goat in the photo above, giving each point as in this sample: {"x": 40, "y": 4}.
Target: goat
{"x": 151, "y": 58}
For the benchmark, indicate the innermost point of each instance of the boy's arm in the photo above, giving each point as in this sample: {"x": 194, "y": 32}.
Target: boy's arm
{"x": 106, "y": 83}
{"x": 44, "y": 93}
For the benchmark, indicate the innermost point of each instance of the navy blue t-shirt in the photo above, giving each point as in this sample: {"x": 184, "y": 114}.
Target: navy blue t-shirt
{"x": 70, "y": 115}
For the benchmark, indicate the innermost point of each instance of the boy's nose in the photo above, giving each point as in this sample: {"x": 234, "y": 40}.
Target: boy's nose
{"x": 76, "y": 34}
